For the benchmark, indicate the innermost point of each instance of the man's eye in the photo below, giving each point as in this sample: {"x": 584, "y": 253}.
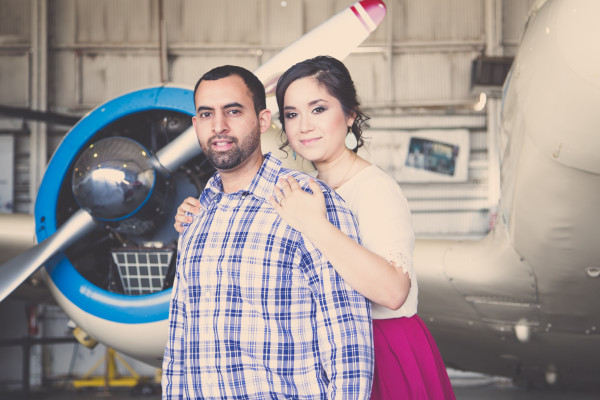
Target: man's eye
{"x": 233, "y": 112}
{"x": 204, "y": 115}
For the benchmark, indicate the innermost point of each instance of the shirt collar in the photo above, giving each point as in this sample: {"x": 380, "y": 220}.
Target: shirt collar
{"x": 261, "y": 186}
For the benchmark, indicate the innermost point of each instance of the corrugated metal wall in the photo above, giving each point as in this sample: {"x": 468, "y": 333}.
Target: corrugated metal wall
{"x": 413, "y": 73}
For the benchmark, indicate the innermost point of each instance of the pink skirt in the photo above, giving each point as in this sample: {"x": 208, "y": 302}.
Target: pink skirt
{"x": 408, "y": 364}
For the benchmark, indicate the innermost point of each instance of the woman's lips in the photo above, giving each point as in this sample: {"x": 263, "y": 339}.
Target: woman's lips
{"x": 308, "y": 142}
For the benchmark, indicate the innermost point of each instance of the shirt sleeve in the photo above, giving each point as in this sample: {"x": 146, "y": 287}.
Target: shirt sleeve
{"x": 343, "y": 315}
{"x": 173, "y": 379}
{"x": 385, "y": 222}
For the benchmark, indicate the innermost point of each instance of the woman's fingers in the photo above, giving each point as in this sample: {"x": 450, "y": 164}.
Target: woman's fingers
{"x": 278, "y": 194}
{"x": 316, "y": 189}
{"x": 273, "y": 201}
{"x": 293, "y": 183}
{"x": 284, "y": 186}
{"x": 191, "y": 205}
{"x": 288, "y": 186}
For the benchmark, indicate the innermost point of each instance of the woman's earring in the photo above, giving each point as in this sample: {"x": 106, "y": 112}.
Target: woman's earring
{"x": 350, "y": 140}
{"x": 294, "y": 154}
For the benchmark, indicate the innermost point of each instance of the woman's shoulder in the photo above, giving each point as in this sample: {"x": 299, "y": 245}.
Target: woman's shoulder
{"x": 374, "y": 179}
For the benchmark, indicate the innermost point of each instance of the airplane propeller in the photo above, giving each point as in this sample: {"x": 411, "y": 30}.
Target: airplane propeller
{"x": 18, "y": 269}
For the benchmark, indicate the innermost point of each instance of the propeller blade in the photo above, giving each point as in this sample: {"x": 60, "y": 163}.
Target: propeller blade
{"x": 17, "y": 270}
{"x": 179, "y": 151}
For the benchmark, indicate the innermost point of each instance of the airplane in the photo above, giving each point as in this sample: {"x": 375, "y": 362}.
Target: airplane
{"x": 522, "y": 302}
{"x": 104, "y": 211}
{"x": 518, "y": 303}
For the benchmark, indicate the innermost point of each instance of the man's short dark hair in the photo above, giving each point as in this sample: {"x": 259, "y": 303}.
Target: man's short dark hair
{"x": 254, "y": 85}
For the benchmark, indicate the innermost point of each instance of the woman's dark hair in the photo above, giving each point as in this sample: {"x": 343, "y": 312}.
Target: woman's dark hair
{"x": 333, "y": 75}
{"x": 254, "y": 85}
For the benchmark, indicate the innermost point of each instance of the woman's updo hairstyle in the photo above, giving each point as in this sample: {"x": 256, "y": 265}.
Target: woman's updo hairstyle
{"x": 333, "y": 75}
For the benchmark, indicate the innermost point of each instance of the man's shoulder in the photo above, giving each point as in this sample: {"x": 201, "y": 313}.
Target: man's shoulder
{"x": 303, "y": 178}
{"x": 299, "y": 175}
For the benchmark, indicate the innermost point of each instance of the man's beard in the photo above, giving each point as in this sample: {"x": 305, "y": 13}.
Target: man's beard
{"x": 224, "y": 160}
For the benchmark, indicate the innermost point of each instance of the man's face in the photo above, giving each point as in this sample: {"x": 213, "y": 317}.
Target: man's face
{"x": 226, "y": 124}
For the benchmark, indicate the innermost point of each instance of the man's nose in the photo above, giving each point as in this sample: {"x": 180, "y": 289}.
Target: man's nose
{"x": 219, "y": 124}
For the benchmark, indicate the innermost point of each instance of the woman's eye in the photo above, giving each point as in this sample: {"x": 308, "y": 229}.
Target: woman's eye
{"x": 290, "y": 115}
{"x": 319, "y": 109}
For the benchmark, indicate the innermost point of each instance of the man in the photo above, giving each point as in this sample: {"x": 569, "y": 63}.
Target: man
{"x": 257, "y": 312}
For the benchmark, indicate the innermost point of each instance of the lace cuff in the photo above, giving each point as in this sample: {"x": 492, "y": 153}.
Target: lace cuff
{"x": 400, "y": 259}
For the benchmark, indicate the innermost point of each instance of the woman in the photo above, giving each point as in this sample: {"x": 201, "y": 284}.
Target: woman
{"x": 319, "y": 112}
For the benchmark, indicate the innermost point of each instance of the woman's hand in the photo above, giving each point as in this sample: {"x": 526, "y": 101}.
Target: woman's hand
{"x": 191, "y": 205}
{"x": 299, "y": 209}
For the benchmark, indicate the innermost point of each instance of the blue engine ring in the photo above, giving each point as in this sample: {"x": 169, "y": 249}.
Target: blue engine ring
{"x": 88, "y": 297}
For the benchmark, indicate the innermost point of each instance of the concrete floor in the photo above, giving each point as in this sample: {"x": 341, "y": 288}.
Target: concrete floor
{"x": 490, "y": 389}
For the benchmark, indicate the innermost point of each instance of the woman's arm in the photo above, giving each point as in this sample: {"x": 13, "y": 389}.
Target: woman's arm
{"x": 368, "y": 273}
{"x": 190, "y": 205}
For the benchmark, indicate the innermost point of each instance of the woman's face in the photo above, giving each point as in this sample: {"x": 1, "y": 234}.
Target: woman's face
{"x": 315, "y": 123}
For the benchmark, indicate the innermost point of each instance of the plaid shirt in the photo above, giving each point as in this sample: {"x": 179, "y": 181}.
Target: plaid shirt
{"x": 257, "y": 312}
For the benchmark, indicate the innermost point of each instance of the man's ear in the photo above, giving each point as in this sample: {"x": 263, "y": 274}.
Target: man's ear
{"x": 264, "y": 120}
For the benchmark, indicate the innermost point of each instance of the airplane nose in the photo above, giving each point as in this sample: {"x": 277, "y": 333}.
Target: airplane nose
{"x": 114, "y": 179}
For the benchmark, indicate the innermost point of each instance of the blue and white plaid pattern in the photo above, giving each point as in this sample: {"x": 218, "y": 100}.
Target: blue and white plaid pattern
{"x": 257, "y": 312}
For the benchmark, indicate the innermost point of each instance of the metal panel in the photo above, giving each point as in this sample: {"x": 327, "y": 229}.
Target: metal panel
{"x": 187, "y": 70}
{"x": 62, "y": 21}
{"x": 110, "y": 75}
{"x": 369, "y": 73}
{"x": 433, "y": 78}
{"x": 63, "y": 93}
{"x": 111, "y": 21}
{"x": 284, "y": 22}
{"x": 15, "y": 21}
{"x": 437, "y": 20}
{"x": 317, "y": 11}
{"x": 225, "y": 21}
{"x": 14, "y": 79}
